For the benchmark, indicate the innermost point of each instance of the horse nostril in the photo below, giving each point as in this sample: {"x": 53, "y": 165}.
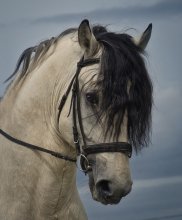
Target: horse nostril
{"x": 104, "y": 188}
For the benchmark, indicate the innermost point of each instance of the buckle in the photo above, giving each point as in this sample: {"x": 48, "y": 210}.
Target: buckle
{"x": 84, "y": 164}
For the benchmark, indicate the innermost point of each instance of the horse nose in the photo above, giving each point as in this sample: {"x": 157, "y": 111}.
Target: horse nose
{"x": 108, "y": 191}
{"x": 104, "y": 189}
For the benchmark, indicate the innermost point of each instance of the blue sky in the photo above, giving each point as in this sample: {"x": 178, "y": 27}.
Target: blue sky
{"x": 157, "y": 171}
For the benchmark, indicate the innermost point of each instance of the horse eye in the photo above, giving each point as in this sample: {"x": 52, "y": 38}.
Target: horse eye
{"x": 92, "y": 98}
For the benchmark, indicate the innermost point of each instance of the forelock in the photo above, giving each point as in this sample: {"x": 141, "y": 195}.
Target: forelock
{"x": 123, "y": 62}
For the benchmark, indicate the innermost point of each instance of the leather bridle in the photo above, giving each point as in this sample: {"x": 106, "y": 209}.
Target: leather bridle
{"x": 85, "y": 150}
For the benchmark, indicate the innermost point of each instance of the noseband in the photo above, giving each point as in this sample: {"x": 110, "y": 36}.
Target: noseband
{"x": 86, "y": 149}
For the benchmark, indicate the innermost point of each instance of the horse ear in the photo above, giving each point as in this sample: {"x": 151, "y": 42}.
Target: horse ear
{"x": 143, "y": 40}
{"x": 86, "y": 38}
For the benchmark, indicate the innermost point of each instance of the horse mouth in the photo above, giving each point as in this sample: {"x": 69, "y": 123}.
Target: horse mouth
{"x": 105, "y": 200}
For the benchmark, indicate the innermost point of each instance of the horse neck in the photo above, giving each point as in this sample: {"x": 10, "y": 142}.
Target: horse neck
{"x": 33, "y": 105}
{"x": 28, "y": 112}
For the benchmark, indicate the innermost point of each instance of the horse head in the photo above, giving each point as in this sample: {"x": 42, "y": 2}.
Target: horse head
{"x": 109, "y": 108}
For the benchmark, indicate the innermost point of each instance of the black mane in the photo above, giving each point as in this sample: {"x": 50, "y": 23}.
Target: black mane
{"x": 122, "y": 64}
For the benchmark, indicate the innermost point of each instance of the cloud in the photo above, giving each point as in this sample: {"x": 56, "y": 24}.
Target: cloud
{"x": 157, "y": 182}
{"x": 167, "y": 108}
{"x": 163, "y": 9}
{"x": 159, "y": 10}
{"x": 2, "y": 25}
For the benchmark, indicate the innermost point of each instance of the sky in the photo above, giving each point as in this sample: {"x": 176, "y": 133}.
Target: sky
{"x": 157, "y": 170}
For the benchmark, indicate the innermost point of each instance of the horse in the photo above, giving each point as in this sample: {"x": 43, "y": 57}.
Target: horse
{"x": 84, "y": 94}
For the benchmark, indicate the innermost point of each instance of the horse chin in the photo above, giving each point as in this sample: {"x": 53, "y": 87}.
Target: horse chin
{"x": 105, "y": 201}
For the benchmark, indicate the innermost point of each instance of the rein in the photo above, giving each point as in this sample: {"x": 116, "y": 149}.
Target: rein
{"x": 85, "y": 150}
{"x": 34, "y": 147}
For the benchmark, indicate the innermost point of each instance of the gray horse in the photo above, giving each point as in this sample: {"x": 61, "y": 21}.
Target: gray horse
{"x": 109, "y": 109}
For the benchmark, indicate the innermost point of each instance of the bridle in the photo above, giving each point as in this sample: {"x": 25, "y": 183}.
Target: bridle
{"x": 85, "y": 150}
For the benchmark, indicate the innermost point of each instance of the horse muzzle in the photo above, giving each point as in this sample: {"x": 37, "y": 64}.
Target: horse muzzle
{"x": 122, "y": 147}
